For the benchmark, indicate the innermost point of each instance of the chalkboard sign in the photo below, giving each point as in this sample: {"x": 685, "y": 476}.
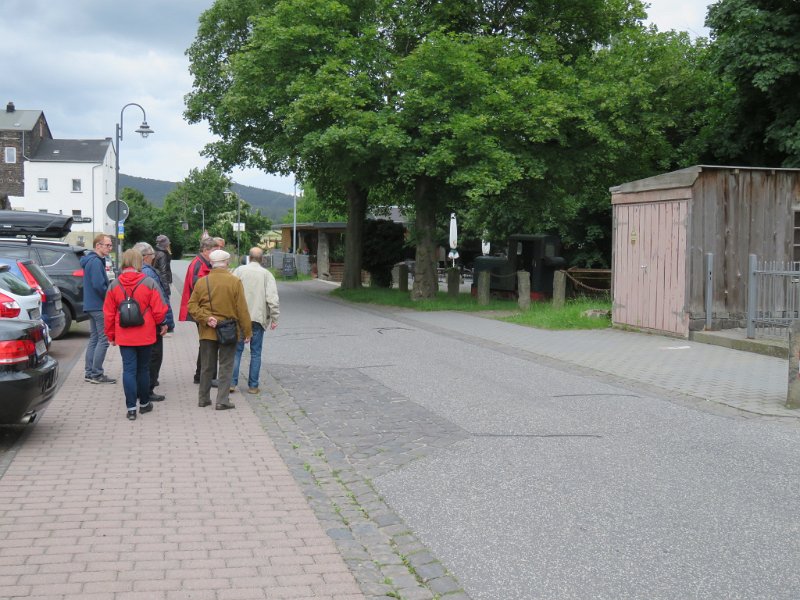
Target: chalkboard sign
{"x": 289, "y": 269}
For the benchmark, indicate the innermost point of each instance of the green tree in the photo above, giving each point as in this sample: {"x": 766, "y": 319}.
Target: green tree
{"x": 311, "y": 208}
{"x": 143, "y": 218}
{"x": 756, "y": 50}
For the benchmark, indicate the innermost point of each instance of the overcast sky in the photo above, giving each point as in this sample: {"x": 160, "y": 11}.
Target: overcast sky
{"x": 81, "y": 61}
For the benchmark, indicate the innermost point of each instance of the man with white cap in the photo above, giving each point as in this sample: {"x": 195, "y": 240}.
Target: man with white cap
{"x": 216, "y": 297}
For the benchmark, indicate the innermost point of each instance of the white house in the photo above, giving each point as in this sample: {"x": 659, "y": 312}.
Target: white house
{"x": 72, "y": 177}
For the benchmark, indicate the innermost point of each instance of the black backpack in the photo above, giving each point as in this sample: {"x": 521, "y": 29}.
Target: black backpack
{"x": 130, "y": 313}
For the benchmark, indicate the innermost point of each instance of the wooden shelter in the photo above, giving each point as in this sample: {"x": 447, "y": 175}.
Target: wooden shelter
{"x": 664, "y": 228}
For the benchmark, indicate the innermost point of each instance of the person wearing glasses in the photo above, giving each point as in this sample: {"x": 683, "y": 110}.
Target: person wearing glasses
{"x": 95, "y": 286}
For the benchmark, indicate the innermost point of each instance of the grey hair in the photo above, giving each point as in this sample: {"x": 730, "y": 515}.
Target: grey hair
{"x": 207, "y": 243}
{"x": 144, "y": 248}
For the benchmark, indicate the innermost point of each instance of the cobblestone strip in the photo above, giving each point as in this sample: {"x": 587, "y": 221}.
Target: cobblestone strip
{"x": 386, "y": 558}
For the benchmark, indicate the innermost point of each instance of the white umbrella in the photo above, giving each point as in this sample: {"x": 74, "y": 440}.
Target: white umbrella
{"x": 453, "y": 238}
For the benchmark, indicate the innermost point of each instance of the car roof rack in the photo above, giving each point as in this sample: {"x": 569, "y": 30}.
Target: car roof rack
{"x": 30, "y": 224}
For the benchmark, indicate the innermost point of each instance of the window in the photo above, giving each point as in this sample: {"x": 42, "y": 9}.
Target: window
{"x": 43, "y": 210}
{"x": 796, "y": 249}
{"x": 10, "y": 155}
{"x": 77, "y": 217}
{"x": 76, "y": 185}
{"x": 42, "y": 184}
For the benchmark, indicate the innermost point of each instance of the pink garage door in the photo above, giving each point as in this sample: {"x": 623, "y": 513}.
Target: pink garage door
{"x": 650, "y": 266}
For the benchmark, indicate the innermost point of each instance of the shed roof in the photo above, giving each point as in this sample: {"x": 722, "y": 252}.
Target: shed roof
{"x": 89, "y": 151}
{"x": 682, "y": 178}
{"x": 19, "y": 120}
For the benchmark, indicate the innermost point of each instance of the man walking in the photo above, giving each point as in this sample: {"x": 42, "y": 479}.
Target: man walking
{"x": 157, "y": 350}
{"x": 95, "y": 286}
{"x": 199, "y": 267}
{"x": 217, "y": 297}
{"x": 261, "y": 294}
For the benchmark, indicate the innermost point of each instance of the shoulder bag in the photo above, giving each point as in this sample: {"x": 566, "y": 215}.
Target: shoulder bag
{"x": 227, "y": 329}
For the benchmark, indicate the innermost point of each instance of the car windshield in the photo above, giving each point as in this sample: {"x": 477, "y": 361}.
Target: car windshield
{"x": 12, "y": 283}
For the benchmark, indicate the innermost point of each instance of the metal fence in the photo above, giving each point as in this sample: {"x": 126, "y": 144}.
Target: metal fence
{"x": 773, "y": 297}
{"x": 275, "y": 259}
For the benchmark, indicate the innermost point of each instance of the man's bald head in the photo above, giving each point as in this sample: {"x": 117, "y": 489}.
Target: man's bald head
{"x": 256, "y": 254}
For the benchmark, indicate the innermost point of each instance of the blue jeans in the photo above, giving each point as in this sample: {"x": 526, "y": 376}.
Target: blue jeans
{"x": 98, "y": 344}
{"x": 255, "y": 357}
{"x": 136, "y": 374}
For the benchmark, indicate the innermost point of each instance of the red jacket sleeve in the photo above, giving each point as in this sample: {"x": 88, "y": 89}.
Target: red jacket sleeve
{"x": 110, "y": 309}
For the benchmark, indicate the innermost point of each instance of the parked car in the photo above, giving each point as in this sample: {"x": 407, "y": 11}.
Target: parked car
{"x": 17, "y": 299}
{"x": 34, "y": 276}
{"x": 28, "y": 374}
{"x": 61, "y": 262}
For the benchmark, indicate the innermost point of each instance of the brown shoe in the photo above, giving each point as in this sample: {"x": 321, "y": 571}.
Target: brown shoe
{"x": 227, "y": 406}
{"x": 202, "y": 404}
{"x": 253, "y": 390}
{"x": 232, "y": 389}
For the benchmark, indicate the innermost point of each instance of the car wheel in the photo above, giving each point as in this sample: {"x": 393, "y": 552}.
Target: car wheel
{"x": 68, "y": 318}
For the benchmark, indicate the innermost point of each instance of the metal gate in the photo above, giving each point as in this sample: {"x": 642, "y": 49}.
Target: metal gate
{"x": 773, "y": 297}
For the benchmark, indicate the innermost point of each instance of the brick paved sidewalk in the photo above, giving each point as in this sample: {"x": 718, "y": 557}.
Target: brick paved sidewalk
{"x": 184, "y": 502}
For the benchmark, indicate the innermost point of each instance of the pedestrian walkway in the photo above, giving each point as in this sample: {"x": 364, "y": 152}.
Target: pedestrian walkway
{"x": 747, "y": 381}
{"x": 184, "y": 502}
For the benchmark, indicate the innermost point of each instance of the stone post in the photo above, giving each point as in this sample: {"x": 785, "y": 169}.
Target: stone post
{"x": 453, "y": 282}
{"x": 323, "y": 256}
{"x": 524, "y": 290}
{"x": 402, "y": 277}
{"x": 559, "y": 289}
{"x": 484, "y": 281}
{"x": 793, "y": 394}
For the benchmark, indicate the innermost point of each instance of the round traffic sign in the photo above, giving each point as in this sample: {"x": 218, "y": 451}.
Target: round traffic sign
{"x": 111, "y": 210}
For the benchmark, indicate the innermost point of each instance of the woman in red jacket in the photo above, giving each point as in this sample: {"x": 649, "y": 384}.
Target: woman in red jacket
{"x": 135, "y": 342}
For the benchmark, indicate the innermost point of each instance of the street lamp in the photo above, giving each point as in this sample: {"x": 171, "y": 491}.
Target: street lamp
{"x": 202, "y": 216}
{"x": 144, "y": 130}
{"x": 238, "y": 222}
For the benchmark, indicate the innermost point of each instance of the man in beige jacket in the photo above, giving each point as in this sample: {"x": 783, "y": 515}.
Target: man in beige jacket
{"x": 218, "y": 296}
{"x": 261, "y": 293}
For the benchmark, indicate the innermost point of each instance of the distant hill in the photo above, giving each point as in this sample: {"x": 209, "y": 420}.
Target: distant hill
{"x": 274, "y": 205}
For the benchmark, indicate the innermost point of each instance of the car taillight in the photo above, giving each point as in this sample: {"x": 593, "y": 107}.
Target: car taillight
{"x": 9, "y": 307}
{"x": 16, "y": 351}
{"x": 29, "y": 278}
{"x": 77, "y": 273}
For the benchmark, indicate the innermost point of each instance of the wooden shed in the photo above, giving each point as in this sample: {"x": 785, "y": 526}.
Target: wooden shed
{"x": 665, "y": 226}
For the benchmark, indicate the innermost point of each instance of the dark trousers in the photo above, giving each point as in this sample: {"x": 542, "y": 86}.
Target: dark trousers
{"x": 197, "y": 369}
{"x": 136, "y": 375}
{"x": 210, "y": 353}
{"x": 156, "y": 358}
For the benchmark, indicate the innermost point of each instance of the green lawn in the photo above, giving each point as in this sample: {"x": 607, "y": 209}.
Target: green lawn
{"x": 541, "y": 314}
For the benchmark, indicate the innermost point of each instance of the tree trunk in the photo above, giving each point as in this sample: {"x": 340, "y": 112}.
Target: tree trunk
{"x": 426, "y": 282}
{"x": 354, "y": 238}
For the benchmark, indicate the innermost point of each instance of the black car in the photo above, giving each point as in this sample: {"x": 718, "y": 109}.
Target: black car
{"x": 61, "y": 262}
{"x": 34, "y": 276}
{"x": 28, "y": 374}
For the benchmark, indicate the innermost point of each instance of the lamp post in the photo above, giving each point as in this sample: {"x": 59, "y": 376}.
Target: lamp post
{"x": 202, "y": 216}
{"x": 294, "y": 215}
{"x": 238, "y": 221}
{"x": 143, "y": 130}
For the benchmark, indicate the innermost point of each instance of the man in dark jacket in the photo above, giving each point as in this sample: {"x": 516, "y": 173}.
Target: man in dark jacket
{"x": 95, "y": 285}
{"x": 157, "y": 351}
{"x": 162, "y": 262}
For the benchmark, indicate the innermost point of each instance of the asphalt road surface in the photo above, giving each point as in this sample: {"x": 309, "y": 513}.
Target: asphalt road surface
{"x": 534, "y": 479}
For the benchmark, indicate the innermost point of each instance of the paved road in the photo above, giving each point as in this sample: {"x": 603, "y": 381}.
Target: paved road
{"x": 533, "y": 477}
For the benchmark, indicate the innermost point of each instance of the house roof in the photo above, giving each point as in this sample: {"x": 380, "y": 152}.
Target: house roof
{"x": 90, "y": 151}
{"x": 19, "y": 120}
{"x": 682, "y": 178}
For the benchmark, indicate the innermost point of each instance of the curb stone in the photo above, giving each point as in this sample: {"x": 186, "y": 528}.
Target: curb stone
{"x": 387, "y": 559}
